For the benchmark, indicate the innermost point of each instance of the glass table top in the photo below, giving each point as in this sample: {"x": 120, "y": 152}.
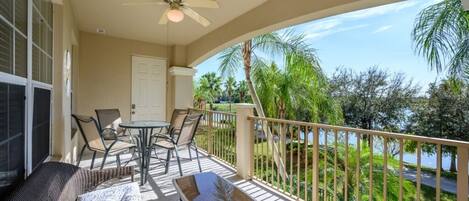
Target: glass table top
{"x": 208, "y": 186}
{"x": 144, "y": 124}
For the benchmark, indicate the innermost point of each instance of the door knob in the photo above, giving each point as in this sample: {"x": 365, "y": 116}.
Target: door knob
{"x": 133, "y": 106}
{"x": 133, "y": 112}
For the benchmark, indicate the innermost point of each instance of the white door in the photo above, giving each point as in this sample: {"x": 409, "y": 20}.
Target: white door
{"x": 148, "y": 89}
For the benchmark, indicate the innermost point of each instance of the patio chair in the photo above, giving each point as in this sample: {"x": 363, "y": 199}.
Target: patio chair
{"x": 185, "y": 138}
{"x": 95, "y": 141}
{"x": 109, "y": 120}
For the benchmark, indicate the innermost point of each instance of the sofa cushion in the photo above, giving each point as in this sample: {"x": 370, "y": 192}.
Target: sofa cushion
{"x": 125, "y": 192}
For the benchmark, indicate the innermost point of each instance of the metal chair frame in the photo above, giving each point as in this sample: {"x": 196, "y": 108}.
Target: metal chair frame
{"x": 107, "y": 149}
{"x": 175, "y": 143}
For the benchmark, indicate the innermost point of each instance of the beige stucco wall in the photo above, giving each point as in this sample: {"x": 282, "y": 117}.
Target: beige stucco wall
{"x": 105, "y": 72}
{"x": 65, "y": 37}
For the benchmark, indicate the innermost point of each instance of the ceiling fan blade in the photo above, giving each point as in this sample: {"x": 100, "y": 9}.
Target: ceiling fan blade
{"x": 144, "y": 3}
{"x": 164, "y": 17}
{"x": 194, "y": 15}
{"x": 201, "y": 3}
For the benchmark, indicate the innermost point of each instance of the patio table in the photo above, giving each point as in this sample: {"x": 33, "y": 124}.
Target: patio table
{"x": 144, "y": 140}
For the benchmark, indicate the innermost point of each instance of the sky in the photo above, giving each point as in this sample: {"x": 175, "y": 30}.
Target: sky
{"x": 379, "y": 36}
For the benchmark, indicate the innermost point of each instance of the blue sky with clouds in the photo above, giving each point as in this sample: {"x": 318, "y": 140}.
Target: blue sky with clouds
{"x": 378, "y": 36}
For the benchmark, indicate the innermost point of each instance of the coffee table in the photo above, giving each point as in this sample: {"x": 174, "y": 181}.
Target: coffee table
{"x": 208, "y": 186}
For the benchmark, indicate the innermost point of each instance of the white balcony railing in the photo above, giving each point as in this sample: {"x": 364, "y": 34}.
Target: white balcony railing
{"x": 324, "y": 162}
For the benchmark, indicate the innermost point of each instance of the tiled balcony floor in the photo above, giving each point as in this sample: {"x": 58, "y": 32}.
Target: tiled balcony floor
{"x": 160, "y": 187}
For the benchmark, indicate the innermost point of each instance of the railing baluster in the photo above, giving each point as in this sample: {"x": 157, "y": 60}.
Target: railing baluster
{"x": 279, "y": 147}
{"x": 370, "y": 190}
{"x": 325, "y": 165}
{"x": 462, "y": 181}
{"x": 284, "y": 154}
{"x": 306, "y": 160}
{"x": 335, "y": 164}
{"x": 223, "y": 137}
{"x": 315, "y": 163}
{"x": 210, "y": 133}
{"x": 291, "y": 159}
{"x": 419, "y": 169}
{"x": 346, "y": 167}
{"x": 401, "y": 167}
{"x": 438, "y": 172}
{"x": 357, "y": 169}
{"x": 262, "y": 153}
{"x": 385, "y": 169}
{"x": 256, "y": 149}
{"x": 271, "y": 128}
{"x": 298, "y": 163}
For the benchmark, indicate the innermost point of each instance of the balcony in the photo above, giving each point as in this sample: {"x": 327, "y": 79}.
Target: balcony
{"x": 55, "y": 64}
{"x": 273, "y": 159}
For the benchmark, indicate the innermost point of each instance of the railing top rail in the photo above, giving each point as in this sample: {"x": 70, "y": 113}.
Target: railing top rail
{"x": 214, "y": 111}
{"x": 417, "y": 138}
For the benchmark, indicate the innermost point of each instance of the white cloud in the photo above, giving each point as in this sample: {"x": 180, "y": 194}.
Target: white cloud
{"x": 317, "y": 34}
{"x": 380, "y": 10}
{"x": 382, "y": 29}
{"x": 325, "y": 25}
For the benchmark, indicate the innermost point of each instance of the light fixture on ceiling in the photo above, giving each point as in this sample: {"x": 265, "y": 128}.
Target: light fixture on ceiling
{"x": 178, "y": 9}
{"x": 175, "y": 15}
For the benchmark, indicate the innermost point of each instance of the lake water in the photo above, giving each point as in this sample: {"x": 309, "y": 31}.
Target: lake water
{"x": 428, "y": 160}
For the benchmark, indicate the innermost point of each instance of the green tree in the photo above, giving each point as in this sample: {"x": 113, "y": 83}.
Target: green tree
{"x": 244, "y": 55}
{"x": 373, "y": 99}
{"x": 299, "y": 87}
{"x": 441, "y": 35}
{"x": 445, "y": 114}
{"x": 242, "y": 92}
{"x": 200, "y": 95}
{"x": 230, "y": 85}
{"x": 210, "y": 85}
{"x": 274, "y": 44}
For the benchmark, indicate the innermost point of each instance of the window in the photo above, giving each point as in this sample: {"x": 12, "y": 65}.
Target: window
{"x": 12, "y": 122}
{"x": 14, "y": 62}
{"x": 42, "y": 42}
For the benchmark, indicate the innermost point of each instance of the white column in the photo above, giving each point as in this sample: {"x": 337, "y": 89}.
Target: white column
{"x": 183, "y": 86}
{"x": 244, "y": 140}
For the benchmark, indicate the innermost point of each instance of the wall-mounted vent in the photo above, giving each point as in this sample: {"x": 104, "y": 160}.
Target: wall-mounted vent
{"x": 101, "y": 31}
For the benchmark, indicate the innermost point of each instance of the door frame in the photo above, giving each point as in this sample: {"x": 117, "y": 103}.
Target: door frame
{"x": 165, "y": 81}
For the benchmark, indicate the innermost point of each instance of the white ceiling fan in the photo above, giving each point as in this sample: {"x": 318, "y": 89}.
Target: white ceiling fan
{"x": 178, "y": 8}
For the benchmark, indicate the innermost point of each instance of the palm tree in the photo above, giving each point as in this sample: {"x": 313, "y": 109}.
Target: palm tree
{"x": 230, "y": 86}
{"x": 299, "y": 87}
{"x": 246, "y": 54}
{"x": 210, "y": 83}
{"x": 441, "y": 35}
{"x": 242, "y": 91}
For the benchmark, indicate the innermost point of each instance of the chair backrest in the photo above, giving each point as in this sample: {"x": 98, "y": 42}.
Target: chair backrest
{"x": 188, "y": 129}
{"x": 109, "y": 118}
{"x": 90, "y": 131}
{"x": 177, "y": 119}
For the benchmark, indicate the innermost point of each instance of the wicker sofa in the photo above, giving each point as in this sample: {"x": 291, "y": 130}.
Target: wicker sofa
{"x": 64, "y": 182}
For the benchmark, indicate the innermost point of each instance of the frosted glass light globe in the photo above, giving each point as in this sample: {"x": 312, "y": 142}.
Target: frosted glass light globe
{"x": 175, "y": 15}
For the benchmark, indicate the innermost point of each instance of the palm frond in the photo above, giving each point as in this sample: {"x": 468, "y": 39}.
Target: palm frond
{"x": 231, "y": 60}
{"x": 437, "y": 33}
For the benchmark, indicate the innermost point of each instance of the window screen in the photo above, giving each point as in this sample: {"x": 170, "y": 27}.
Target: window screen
{"x": 12, "y": 127}
{"x": 41, "y": 126}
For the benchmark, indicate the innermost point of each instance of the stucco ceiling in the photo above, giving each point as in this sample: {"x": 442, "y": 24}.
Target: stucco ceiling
{"x": 141, "y": 22}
